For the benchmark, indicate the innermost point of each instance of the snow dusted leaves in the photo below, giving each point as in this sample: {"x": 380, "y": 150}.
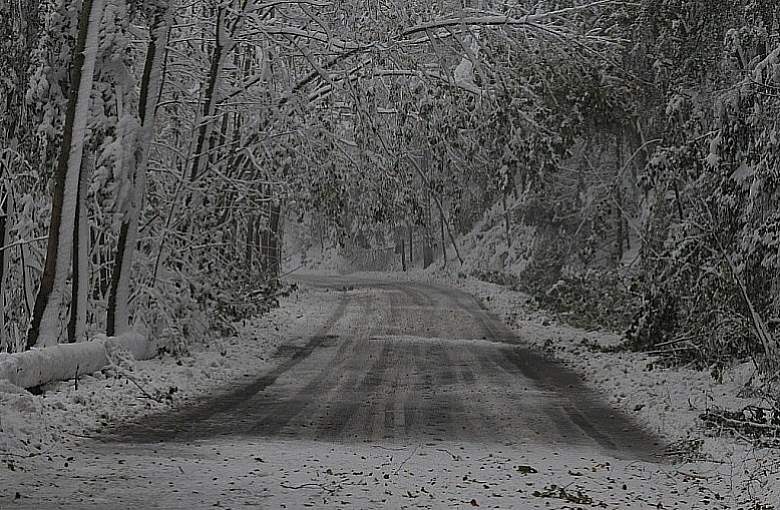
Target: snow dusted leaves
{"x": 117, "y": 163}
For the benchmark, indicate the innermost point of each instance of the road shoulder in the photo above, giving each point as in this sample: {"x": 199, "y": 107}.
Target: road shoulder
{"x": 45, "y": 428}
{"x": 666, "y": 401}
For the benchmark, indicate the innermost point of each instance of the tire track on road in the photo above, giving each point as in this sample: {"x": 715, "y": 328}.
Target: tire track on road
{"x": 193, "y": 422}
{"x": 410, "y": 362}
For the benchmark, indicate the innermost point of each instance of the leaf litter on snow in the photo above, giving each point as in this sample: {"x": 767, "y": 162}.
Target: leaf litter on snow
{"x": 668, "y": 401}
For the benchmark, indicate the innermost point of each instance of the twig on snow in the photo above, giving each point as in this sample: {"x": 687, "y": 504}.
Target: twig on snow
{"x": 411, "y": 454}
{"x": 308, "y": 486}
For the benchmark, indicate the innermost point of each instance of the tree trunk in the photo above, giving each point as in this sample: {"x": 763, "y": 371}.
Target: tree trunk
{"x": 77, "y": 325}
{"x": 99, "y": 260}
{"x": 411, "y": 247}
{"x": 443, "y": 239}
{"x": 438, "y": 204}
{"x": 44, "y": 326}
{"x": 258, "y": 233}
{"x": 118, "y": 313}
{"x": 250, "y": 242}
{"x": 6, "y": 211}
{"x": 273, "y": 241}
{"x": 322, "y": 237}
{"x": 506, "y": 223}
{"x": 619, "y": 234}
{"x": 403, "y": 249}
{"x": 61, "y": 362}
{"x": 28, "y": 286}
{"x": 265, "y": 234}
{"x": 221, "y": 49}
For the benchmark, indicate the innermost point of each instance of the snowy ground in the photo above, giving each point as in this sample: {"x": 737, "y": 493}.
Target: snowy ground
{"x": 262, "y": 473}
{"x": 664, "y": 400}
{"x": 281, "y": 473}
{"x": 37, "y": 428}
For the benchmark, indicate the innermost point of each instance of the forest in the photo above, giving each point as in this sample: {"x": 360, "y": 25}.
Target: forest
{"x": 154, "y": 153}
{"x": 478, "y": 232}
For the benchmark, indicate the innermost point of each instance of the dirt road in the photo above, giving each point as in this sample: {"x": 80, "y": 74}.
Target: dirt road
{"x": 410, "y": 396}
{"x": 405, "y": 362}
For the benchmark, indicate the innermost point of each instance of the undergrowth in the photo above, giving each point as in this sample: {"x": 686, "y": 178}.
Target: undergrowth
{"x": 659, "y": 319}
{"x": 589, "y": 299}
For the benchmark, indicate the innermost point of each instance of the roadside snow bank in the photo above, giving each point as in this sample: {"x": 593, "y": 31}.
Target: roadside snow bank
{"x": 22, "y": 422}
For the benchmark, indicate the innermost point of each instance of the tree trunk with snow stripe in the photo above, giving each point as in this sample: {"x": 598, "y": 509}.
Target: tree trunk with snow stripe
{"x": 45, "y": 325}
{"x": 68, "y": 361}
{"x": 118, "y": 314}
{"x": 6, "y": 210}
{"x": 77, "y": 324}
{"x": 223, "y": 46}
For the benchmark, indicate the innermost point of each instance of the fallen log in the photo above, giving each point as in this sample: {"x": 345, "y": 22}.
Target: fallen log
{"x": 64, "y": 361}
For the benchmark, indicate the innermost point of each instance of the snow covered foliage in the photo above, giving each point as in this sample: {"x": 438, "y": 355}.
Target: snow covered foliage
{"x": 712, "y": 269}
{"x": 613, "y": 148}
{"x": 647, "y": 176}
{"x": 186, "y": 230}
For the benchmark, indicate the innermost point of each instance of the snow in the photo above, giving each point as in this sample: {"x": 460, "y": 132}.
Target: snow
{"x": 30, "y": 425}
{"x": 664, "y": 400}
{"x": 140, "y": 166}
{"x": 65, "y": 361}
{"x": 259, "y": 473}
{"x": 716, "y": 472}
{"x": 668, "y": 401}
{"x": 22, "y": 423}
{"x": 485, "y": 247}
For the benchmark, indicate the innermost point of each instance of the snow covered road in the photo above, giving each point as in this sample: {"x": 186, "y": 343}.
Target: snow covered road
{"x": 410, "y": 396}
{"x": 406, "y": 362}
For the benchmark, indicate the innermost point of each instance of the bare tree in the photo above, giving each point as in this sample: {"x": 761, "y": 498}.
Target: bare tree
{"x": 117, "y": 320}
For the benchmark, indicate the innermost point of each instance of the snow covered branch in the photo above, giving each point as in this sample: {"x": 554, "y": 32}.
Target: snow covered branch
{"x": 530, "y": 20}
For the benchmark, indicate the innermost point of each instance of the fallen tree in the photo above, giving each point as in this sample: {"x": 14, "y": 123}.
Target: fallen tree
{"x": 67, "y": 361}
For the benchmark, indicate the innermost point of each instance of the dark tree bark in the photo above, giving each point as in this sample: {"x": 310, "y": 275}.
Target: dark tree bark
{"x": 619, "y": 221}
{"x": 403, "y": 252}
{"x": 411, "y": 246}
{"x": 506, "y": 222}
{"x": 273, "y": 241}
{"x": 117, "y": 315}
{"x": 443, "y": 239}
{"x": 250, "y": 243}
{"x": 210, "y": 100}
{"x": 258, "y": 233}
